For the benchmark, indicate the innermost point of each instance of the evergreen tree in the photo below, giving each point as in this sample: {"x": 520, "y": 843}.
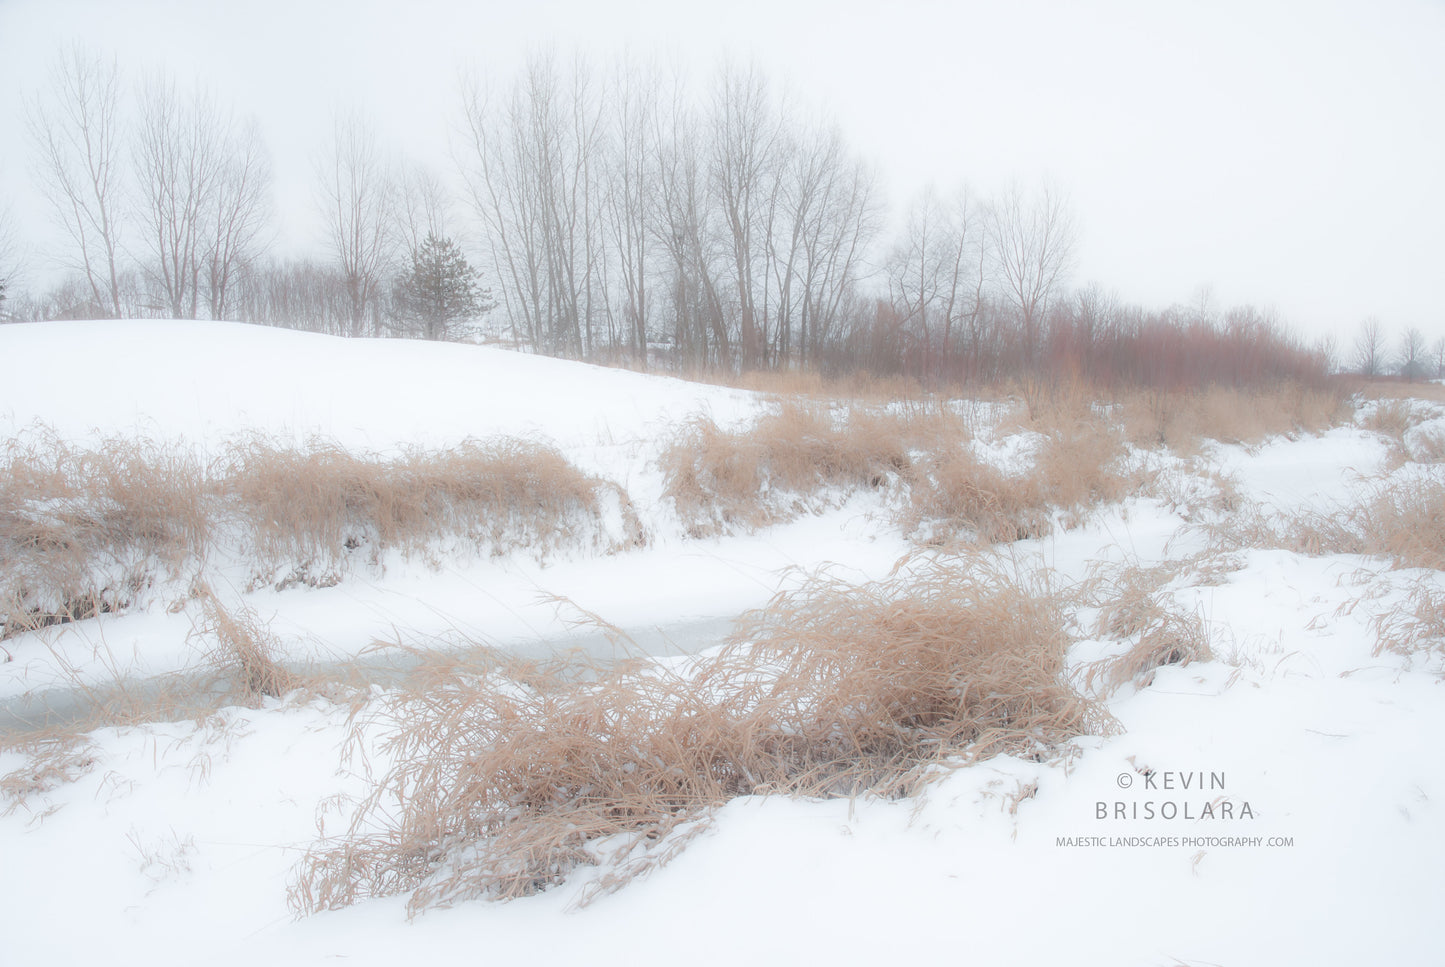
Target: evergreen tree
{"x": 440, "y": 291}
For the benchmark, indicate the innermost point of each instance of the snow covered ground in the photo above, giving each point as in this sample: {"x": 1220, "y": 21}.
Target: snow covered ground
{"x": 173, "y": 842}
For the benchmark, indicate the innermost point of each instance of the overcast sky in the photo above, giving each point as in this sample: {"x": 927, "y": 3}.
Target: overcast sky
{"x": 1289, "y": 154}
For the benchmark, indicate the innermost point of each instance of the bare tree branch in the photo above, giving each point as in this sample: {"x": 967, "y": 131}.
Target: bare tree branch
{"x": 76, "y": 133}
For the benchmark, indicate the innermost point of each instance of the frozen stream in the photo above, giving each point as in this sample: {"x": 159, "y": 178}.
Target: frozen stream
{"x": 62, "y": 706}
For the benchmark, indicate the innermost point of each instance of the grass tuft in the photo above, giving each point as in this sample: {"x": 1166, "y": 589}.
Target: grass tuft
{"x": 505, "y": 783}
{"x": 243, "y": 652}
{"x": 1078, "y": 464}
{"x": 1399, "y": 519}
{"x": 319, "y": 504}
{"x": 82, "y": 532}
{"x": 1134, "y": 606}
{"x": 1181, "y": 421}
{"x": 1415, "y": 626}
{"x": 778, "y": 468}
{"x": 85, "y": 532}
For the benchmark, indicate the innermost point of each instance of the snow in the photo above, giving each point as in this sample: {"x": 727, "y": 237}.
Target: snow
{"x": 207, "y": 382}
{"x": 176, "y": 840}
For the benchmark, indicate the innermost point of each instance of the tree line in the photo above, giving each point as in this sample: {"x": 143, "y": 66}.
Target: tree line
{"x": 617, "y": 216}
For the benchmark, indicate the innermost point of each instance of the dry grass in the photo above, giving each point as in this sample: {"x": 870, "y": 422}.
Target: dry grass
{"x": 1427, "y": 446}
{"x": 1403, "y": 521}
{"x": 1078, "y": 465}
{"x": 1047, "y": 402}
{"x": 83, "y": 531}
{"x": 506, "y": 783}
{"x": 237, "y": 661}
{"x": 1400, "y": 421}
{"x": 51, "y": 760}
{"x": 960, "y": 494}
{"x": 1169, "y": 637}
{"x": 1391, "y": 389}
{"x": 243, "y": 653}
{"x": 798, "y": 457}
{"x": 88, "y": 531}
{"x": 1416, "y": 626}
{"x": 1400, "y": 520}
{"x": 1181, "y": 421}
{"x": 317, "y": 505}
{"x": 779, "y": 467}
{"x": 1391, "y": 418}
{"x": 1082, "y": 465}
{"x": 1135, "y": 606}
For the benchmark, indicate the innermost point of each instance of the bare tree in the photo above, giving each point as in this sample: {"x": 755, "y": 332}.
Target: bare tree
{"x": 422, "y": 209}
{"x": 936, "y": 276}
{"x": 178, "y": 157}
{"x": 8, "y": 267}
{"x": 76, "y": 133}
{"x": 1326, "y": 349}
{"x": 683, "y": 227}
{"x": 533, "y": 179}
{"x": 1412, "y": 361}
{"x": 1370, "y": 348}
{"x": 830, "y": 202}
{"x": 743, "y": 135}
{"x": 356, "y": 199}
{"x": 238, "y": 216}
{"x": 493, "y": 172}
{"x": 1031, "y": 239}
{"x": 630, "y": 183}
{"x": 297, "y": 293}
{"x": 1437, "y": 356}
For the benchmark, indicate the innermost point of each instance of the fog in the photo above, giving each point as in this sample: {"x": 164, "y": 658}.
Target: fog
{"x": 1283, "y": 154}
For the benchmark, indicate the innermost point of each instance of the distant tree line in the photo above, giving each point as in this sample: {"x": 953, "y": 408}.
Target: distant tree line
{"x": 613, "y": 216}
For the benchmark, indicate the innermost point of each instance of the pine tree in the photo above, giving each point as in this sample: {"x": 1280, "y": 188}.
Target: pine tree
{"x": 440, "y": 291}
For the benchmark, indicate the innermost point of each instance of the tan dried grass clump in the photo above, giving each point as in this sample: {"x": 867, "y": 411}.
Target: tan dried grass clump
{"x": 1427, "y": 446}
{"x": 1391, "y": 418}
{"x": 243, "y": 652}
{"x": 1081, "y": 466}
{"x": 1415, "y": 626}
{"x": 721, "y": 480}
{"x": 1134, "y": 606}
{"x": 89, "y": 531}
{"x": 1051, "y": 403}
{"x": 959, "y": 494}
{"x": 506, "y": 783}
{"x": 51, "y": 760}
{"x": 313, "y": 505}
{"x": 1182, "y": 420}
{"x": 1078, "y": 465}
{"x": 82, "y": 531}
{"x": 1390, "y": 389}
{"x": 1400, "y": 421}
{"x": 1162, "y": 636}
{"x": 1403, "y": 520}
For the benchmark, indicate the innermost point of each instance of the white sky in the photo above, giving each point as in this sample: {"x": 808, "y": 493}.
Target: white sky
{"x": 1286, "y": 154}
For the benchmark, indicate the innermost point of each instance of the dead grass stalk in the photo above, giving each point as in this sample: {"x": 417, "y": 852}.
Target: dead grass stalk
{"x": 506, "y": 783}
{"x": 776, "y": 469}
{"x": 89, "y": 531}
